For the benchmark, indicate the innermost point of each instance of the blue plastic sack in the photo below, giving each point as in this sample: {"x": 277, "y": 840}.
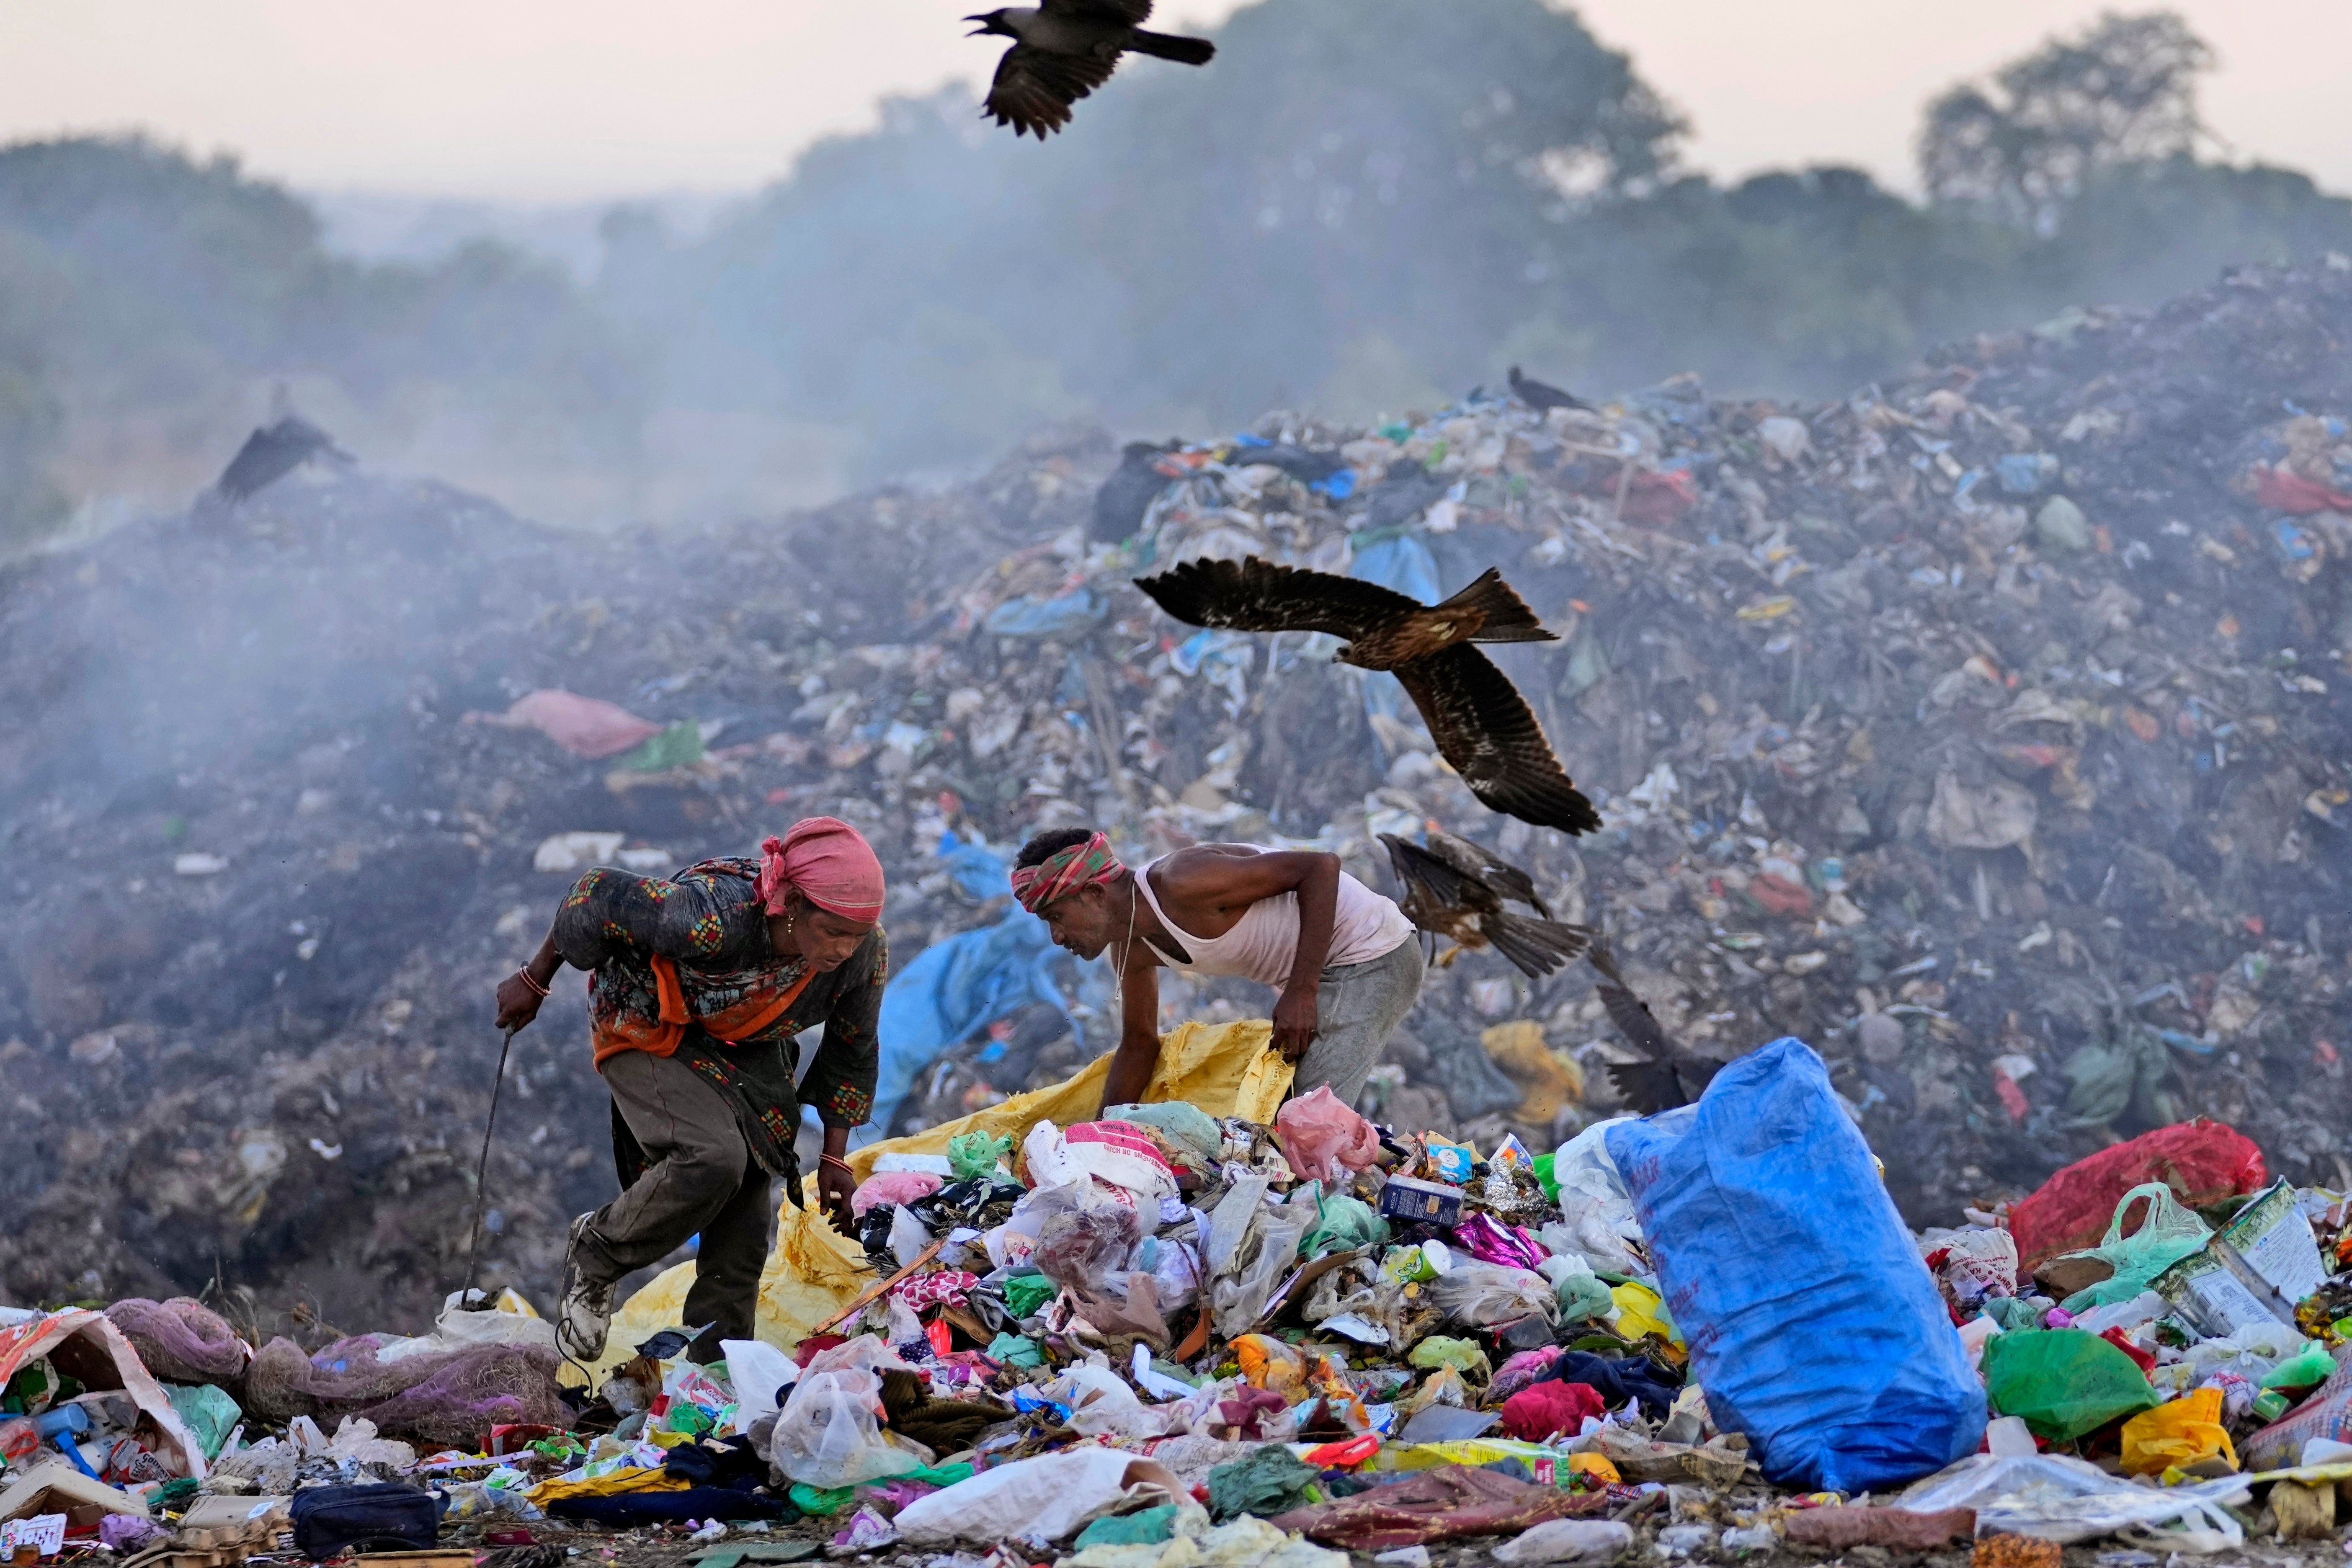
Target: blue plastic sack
{"x": 953, "y": 990}
{"x": 1037, "y": 616}
{"x": 1812, "y": 1324}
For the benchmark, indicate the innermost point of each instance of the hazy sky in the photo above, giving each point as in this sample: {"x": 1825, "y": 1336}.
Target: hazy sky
{"x": 542, "y": 101}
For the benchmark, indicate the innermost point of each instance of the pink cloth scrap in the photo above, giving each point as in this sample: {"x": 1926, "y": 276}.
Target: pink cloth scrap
{"x": 946, "y": 1288}
{"x": 584, "y": 726}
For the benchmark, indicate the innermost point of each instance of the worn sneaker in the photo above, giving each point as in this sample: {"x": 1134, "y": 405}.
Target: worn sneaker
{"x": 583, "y": 1312}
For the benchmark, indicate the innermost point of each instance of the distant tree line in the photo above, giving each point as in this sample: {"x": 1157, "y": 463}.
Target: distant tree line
{"x": 1364, "y": 204}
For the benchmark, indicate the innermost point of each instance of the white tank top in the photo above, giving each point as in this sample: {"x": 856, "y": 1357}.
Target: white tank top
{"x": 1264, "y": 943}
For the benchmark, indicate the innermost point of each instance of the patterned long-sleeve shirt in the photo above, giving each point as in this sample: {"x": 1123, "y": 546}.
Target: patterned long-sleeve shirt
{"x": 689, "y": 955}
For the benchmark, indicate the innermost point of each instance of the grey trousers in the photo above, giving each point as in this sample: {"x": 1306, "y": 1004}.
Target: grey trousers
{"x": 700, "y": 1179}
{"x": 1358, "y": 1006}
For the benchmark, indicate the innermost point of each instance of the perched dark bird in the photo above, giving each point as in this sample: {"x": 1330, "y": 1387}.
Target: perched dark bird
{"x": 1669, "y": 1076}
{"x": 1541, "y": 397}
{"x": 1453, "y": 887}
{"x": 274, "y": 451}
{"x": 1127, "y": 496}
{"x": 1063, "y": 50}
{"x": 1480, "y": 722}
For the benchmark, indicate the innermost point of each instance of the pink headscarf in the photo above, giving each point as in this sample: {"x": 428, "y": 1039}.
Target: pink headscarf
{"x": 831, "y": 864}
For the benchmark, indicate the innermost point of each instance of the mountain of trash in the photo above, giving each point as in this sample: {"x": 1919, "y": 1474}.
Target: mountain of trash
{"x": 1985, "y": 730}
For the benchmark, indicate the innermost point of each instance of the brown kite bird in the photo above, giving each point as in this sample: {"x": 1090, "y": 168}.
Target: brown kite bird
{"x": 1455, "y": 888}
{"x": 1480, "y": 722}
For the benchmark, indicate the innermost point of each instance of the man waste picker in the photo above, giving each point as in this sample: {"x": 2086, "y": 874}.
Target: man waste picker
{"x": 697, "y": 986}
{"x": 1345, "y": 960}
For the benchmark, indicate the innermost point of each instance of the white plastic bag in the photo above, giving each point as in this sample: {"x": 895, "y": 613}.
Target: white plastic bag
{"x": 1047, "y": 1156}
{"x": 1567, "y": 1541}
{"x": 1175, "y": 1270}
{"x": 510, "y": 1321}
{"x": 759, "y": 1373}
{"x": 1251, "y": 1243}
{"x": 2054, "y": 1498}
{"x": 909, "y": 1236}
{"x": 1597, "y": 1211}
{"x": 1485, "y": 1295}
{"x": 1101, "y": 1403}
{"x": 1040, "y": 1500}
{"x": 827, "y": 1436}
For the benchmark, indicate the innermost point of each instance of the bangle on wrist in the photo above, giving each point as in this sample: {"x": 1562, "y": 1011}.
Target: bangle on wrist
{"x": 537, "y": 989}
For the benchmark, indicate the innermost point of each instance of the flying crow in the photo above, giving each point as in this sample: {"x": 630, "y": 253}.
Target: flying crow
{"x": 1669, "y": 1075}
{"x": 1480, "y": 722}
{"x": 274, "y": 451}
{"x": 1453, "y": 888}
{"x": 1541, "y": 398}
{"x": 1063, "y": 50}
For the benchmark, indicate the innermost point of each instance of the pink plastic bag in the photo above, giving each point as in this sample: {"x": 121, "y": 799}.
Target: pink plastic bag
{"x": 892, "y": 1187}
{"x": 1324, "y": 1140}
{"x": 1489, "y": 1240}
{"x": 584, "y": 726}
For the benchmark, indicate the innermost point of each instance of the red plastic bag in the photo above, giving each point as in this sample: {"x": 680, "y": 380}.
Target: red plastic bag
{"x": 2202, "y": 1162}
{"x": 2285, "y": 491}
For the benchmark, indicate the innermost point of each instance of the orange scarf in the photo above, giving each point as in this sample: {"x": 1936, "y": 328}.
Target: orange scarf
{"x": 739, "y": 1022}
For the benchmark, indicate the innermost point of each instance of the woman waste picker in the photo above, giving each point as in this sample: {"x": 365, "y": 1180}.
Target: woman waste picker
{"x": 697, "y": 986}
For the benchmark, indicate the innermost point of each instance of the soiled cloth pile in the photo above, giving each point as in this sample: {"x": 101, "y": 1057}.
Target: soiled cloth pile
{"x": 943, "y": 1426}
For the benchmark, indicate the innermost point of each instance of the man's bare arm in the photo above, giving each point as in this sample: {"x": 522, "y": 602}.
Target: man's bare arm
{"x": 1138, "y": 1054}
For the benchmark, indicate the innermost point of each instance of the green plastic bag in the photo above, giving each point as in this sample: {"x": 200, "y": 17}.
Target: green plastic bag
{"x": 2012, "y": 1313}
{"x": 1268, "y": 1482}
{"x": 1343, "y": 1222}
{"x": 680, "y": 746}
{"x": 206, "y": 1411}
{"x": 1026, "y": 1294}
{"x": 2167, "y": 1233}
{"x": 1149, "y": 1528}
{"x": 2062, "y": 1381}
{"x": 1544, "y": 1178}
{"x": 973, "y": 1154}
{"x": 1464, "y": 1355}
{"x": 2312, "y": 1366}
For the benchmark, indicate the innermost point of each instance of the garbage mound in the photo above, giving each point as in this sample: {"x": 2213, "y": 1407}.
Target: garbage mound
{"x": 1982, "y": 729}
{"x": 1154, "y": 1337}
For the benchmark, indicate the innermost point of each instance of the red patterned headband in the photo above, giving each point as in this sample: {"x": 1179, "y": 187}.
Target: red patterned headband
{"x": 1064, "y": 872}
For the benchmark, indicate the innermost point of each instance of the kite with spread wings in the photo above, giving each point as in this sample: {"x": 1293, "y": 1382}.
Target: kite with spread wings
{"x": 1480, "y": 722}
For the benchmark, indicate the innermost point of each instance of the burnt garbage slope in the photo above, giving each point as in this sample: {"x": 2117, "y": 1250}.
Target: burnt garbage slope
{"x": 2005, "y": 700}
